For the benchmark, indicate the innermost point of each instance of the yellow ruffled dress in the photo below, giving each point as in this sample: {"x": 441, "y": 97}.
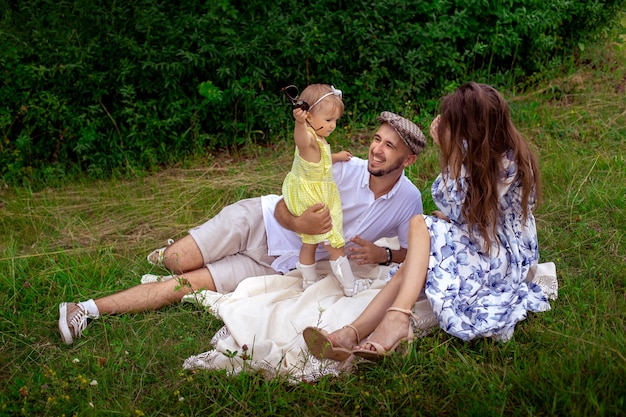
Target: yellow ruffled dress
{"x": 309, "y": 183}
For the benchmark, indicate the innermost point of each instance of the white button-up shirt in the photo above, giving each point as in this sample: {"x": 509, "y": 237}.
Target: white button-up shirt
{"x": 363, "y": 215}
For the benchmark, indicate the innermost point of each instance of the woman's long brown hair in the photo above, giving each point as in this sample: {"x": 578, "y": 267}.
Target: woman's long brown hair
{"x": 480, "y": 132}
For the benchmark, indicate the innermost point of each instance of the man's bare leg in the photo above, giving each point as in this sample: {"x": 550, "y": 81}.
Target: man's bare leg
{"x": 182, "y": 256}
{"x": 74, "y": 318}
{"x": 155, "y": 295}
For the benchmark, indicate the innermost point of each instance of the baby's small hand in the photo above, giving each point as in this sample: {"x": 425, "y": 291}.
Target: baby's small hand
{"x": 300, "y": 115}
{"x": 343, "y": 156}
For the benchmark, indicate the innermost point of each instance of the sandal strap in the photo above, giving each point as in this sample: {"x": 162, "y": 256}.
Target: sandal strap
{"x": 358, "y": 336}
{"x": 401, "y": 310}
{"x": 413, "y": 319}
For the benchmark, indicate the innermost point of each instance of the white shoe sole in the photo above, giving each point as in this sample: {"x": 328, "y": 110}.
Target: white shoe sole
{"x": 159, "y": 254}
{"x": 149, "y": 278}
{"x": 66, "y": 333}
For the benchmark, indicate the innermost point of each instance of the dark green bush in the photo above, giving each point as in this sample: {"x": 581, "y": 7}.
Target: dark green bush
{"x": 99, "y": 86}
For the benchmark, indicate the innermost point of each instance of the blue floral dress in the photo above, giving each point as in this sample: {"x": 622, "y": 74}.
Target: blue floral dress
{"x": 474, "y": 294}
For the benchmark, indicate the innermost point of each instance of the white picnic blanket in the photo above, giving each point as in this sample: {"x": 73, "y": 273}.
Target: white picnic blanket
{"x": 265, "y": 316}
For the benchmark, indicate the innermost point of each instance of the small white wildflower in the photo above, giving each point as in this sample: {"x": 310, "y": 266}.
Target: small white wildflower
{"x": 93, "y": 383}
{"x": 180, "y": 399}
{"x": 75, "y": 360}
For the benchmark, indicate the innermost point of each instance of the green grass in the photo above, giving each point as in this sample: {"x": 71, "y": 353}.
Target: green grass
{"x": 86, "y": 240}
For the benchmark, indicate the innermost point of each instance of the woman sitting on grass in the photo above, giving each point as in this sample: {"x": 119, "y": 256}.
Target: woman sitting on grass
{"x": 472, "y": 258}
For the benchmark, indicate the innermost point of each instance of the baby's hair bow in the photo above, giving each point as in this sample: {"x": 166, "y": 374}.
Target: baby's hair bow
{"x": 333, "y": 92}
{"x": 336, "y": 92}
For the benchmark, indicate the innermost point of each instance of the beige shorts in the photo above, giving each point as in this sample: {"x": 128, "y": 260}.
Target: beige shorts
{"x": 234, "y": 244}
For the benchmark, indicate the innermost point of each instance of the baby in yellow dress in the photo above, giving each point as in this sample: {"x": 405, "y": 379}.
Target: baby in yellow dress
{"x": 310, "y": 180}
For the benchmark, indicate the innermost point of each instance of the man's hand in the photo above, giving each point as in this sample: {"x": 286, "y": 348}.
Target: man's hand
{"x": 366, "y": 252}
{"x": 314, "y": 221}
{"x": 369, "y": 253}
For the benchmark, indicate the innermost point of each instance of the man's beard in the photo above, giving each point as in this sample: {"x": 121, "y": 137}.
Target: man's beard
{"x": 384, "y": 171}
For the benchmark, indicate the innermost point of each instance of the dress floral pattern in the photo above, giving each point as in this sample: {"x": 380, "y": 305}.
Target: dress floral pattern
{"x": 474, "y": 294}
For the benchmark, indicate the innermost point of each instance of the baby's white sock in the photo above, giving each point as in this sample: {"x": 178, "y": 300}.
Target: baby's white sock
{"x": 309, "y": 274}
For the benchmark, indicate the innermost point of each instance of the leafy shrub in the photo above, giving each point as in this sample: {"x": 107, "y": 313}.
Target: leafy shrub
{"x": 103, "y": 86}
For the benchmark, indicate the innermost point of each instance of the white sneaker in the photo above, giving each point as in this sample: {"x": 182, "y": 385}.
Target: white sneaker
{"x": 148, "y": 278}
{"x": 72, "y": 321}
{"x": 156, "y": 256}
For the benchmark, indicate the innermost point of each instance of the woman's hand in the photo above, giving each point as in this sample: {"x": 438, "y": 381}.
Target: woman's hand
{"x": 441, "y": 216}
{"x": 433, "y": 129}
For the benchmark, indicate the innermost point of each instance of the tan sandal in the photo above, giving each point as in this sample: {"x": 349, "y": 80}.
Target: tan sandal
{"x": 319, "y": 344}
{"x": 381, "y": 352}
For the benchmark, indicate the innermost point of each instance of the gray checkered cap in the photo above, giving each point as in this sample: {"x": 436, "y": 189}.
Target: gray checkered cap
{"x": 411, "y": 135}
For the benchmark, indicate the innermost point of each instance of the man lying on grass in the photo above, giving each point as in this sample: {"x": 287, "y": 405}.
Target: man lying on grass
{"x": 258, "y": 236}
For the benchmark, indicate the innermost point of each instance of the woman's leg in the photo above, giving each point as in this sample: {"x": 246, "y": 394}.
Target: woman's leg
{"x": 405, "y": 288}
{"x": 369, "y": 318}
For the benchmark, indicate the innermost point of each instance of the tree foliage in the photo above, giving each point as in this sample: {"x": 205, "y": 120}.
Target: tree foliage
{"x": 97, "y": 86}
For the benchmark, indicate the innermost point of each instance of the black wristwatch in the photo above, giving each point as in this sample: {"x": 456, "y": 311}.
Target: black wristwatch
{"x": 388, "y": 257}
